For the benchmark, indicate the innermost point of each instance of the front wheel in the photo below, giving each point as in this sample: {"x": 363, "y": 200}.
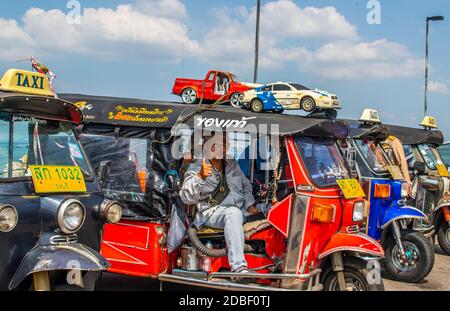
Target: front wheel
{"x": 308, "y": 104}
{"x": 443, "y": 237}
{"x": 416, "y": 262}
{"x": 189, "y": 96}
{"x": 256, "y": 105}
{"x": 358, "y": 275}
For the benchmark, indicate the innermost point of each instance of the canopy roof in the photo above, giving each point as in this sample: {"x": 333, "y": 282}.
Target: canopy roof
{"x": 39, "y": 106}
{"x": 414, "y": 136}
{"x": 360, "y": 130}
{"x": 127, "y": 112}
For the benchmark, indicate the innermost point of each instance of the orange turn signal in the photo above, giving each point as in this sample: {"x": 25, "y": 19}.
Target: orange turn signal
{"x": 323, "y": 213}
{"x": 382, "y": 191}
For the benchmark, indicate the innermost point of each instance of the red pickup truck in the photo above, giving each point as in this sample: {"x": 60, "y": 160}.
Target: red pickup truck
{"x": 217, "y": 84}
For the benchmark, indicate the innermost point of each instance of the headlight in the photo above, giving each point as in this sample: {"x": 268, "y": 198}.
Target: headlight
{"x": 8, "y": 218}
{"x": 71, "y": 215}
{"x": 111, "y": 211}
{"x": 358, "y": 211}
{"x": 404, "y": 191}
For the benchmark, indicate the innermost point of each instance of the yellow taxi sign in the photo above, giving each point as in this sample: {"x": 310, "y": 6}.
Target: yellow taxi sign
{"x": 429, "y": 122}
{"x": 442, "y": 170}
{"x": 351, "y": 188}
{"x": 28, "y": 82}
{"x": 57, "y": 179}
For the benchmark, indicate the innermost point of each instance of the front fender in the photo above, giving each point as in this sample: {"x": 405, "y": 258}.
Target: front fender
{"x": 445, "y": 201}
{"x": 58, "y": 257}
{"x": 396, "y": 212}
{"x": 358, "y": 242}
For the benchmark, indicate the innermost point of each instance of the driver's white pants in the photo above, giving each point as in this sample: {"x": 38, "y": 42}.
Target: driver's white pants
{"x": 230, "y": 219}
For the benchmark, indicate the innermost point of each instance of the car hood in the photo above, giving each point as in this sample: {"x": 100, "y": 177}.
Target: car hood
{"x": 322, "y": 93}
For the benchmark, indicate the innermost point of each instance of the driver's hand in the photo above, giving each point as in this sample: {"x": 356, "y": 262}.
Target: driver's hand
{"x": 253, "y": 210}
{"x": 205, "y": 170}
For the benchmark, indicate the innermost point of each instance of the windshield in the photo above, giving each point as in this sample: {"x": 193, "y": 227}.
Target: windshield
{"x": 373, "y": 155}
{"x": 300, "y": 87}
{"x": 444, "y": 150}
{"x": 234, "y": 78}
{"x": 29, "y": 141}
{"x": 430, "y": 156}
{"x": 322, "y": 160}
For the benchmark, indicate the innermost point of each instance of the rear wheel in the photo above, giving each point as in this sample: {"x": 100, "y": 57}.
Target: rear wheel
{"x": 416, "y": 262}
{"x": 236, "y": 99}
{"x": 189, "y": 96}
{"x": 256, "y": 105}
{"x": 443, "y": 236}
{"x": 356, "y": 274}
{"x": 308, "y": 104}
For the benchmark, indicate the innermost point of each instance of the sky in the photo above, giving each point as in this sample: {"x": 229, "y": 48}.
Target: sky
{"x": 137, "y": 48}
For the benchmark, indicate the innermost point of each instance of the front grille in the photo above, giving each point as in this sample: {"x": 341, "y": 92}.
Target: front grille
{"x": 352, "y": 229}
{"x": 334, "y": 97}
{"x": 63, "y": 239}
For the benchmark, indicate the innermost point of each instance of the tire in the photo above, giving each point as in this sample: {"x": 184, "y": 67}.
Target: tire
{"x": 308, "y": 104}
{"x": 443, "y": 237}
{"x": 256, "y": 105}
{"x": 356, "y": 274}
{"x": 421, "y": 253}
{"x": 236, "y": 99}
{"x": 189, "y": 96}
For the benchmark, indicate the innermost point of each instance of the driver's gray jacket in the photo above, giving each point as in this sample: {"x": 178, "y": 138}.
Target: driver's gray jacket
{"x": 196, "y": 190}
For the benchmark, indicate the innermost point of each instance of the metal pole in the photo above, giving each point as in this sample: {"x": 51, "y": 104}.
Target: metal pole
{"x": 426, "y": 68}
{"x": 258, "y": 13}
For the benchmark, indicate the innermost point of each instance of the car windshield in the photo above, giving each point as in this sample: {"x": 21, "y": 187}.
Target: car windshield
{"x": 29, "y": 141}
{"x": 373, "y": 155}
{"x": 300, "y": 87}
{"x": 444, "y": 150}
{"x": 430, "y": 156}
{"x": 322, "y": 160}
{"x": 234, "y": 78}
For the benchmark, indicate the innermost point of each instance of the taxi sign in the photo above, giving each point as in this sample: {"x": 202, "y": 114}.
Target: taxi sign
{"x": 429, "y": 122}
{"x": 351, "y": 188}
{"x": 370, "y": 116}
{"x": 442, "y": 170}
{"x": 28, "y": 82}
{"x": 57, "y": 179}
{"x": 395, "y": 171}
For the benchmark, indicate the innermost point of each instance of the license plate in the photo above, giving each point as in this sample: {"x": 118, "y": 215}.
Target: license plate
{"x": 57, "y": 179}
{"x": 351, "y": 188}
{"x": 442, "y": 170}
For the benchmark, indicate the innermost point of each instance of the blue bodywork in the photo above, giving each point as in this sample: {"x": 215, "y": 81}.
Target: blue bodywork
{"x": 269, "y": 101}
{"x": 384, "y": 211}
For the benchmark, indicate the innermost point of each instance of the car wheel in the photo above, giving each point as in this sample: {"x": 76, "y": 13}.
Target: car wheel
{"x": 256, "y": 105}
{"x": 236, "y": 99}
{"x": 189, "y": 96}
{"x": 444, "y": 237}
{"x": 308, "y": 104}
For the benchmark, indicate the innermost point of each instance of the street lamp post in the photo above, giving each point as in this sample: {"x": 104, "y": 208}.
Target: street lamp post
{"x": 429, "y": 18}
{"x": 258, "y": 13}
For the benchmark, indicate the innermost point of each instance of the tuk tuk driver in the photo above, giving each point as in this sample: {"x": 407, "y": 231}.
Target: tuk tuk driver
{"x": 222, "y": 195}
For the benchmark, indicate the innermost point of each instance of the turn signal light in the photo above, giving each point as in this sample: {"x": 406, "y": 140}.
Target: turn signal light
{"x": 323, "y": 213}
{"x": 382, "y": 191}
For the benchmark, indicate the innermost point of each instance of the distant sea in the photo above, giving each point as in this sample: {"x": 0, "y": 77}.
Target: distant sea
{"x": 20, "y": 150}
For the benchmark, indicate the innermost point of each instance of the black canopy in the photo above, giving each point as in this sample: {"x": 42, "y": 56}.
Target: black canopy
{"x": 39, "y": 106}
{"x": 158, "y": 114}
{"x": 360, "y": 130}
{"x": 414, "y": 136}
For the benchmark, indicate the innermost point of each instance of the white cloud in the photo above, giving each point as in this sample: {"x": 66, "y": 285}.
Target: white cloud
{"x": 438, "y": 87}
{"x": 163, "y": 8}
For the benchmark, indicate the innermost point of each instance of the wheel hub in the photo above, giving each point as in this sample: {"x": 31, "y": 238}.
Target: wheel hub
{"x": 408, "y": 260}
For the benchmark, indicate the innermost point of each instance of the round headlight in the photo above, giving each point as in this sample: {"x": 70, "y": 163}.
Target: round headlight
{"x": 71, "y": 214}
{"x": 358, "y": 211}
{"x": 8, "y": 218}
{"x": 111, "y": 211}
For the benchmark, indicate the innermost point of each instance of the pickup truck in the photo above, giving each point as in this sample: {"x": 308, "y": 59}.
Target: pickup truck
{"x": 216, "y": 85}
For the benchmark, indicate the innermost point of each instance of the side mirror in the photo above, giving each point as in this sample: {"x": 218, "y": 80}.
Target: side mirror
{"x": 419, "y": 167}
{"x": 104, "y": 169}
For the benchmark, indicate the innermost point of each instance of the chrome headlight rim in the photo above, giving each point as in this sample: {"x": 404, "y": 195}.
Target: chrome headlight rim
{"x": 105, "y": 208}
{"x": 361, "y": 206}
{"x": 7, "y": 206}
{"x": 60, "y": 216}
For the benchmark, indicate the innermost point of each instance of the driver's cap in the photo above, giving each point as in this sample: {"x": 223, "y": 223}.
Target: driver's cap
{"x": 429, "y": 122}
{"x": 370, "y": 116}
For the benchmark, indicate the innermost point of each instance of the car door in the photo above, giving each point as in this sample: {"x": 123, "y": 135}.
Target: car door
{"x": 284, "y": 95}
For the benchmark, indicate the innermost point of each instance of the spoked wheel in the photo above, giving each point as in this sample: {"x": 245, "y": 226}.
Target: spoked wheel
{"x": 256, "y": 105}
{"x": 356, "y": 275}
{"x": 189, "y": 96}
{"x": 443, "y": 235}
{"x": 236, "y": 99}
{"x": 308, "y": 104}
{"x": 416, "y": 262}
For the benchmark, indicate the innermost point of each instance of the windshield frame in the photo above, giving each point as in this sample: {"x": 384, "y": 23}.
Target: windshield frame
{"x": 87, "y": 178}
{"x": 340, "y": 155}
{"x": 435, "y": 153}
{"x": 383, "y": 173}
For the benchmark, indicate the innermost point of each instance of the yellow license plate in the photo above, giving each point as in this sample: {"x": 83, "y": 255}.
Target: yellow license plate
{"x": 442, "y": 170}
{"x": 57, "y": 179}
{"x": 351, "y": 188}
{"x": 395, "y": 171}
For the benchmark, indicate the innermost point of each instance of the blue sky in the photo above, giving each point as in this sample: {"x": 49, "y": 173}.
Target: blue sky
{"x": 133, "y": 48}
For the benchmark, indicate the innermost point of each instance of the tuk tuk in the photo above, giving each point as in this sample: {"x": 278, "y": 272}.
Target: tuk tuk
{"x": 409, "y": 254}
{"x": 430, "y": 179}
{"x": 308, "y": 237}
{"x": 52, "y": 210}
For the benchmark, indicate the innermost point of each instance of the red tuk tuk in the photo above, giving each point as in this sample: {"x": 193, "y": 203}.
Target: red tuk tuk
{"x": 309, "y": 238}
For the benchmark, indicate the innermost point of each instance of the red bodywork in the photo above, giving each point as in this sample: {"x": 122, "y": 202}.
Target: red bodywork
{"x": 205, "y": 88}
{"x": 139, "y": 248}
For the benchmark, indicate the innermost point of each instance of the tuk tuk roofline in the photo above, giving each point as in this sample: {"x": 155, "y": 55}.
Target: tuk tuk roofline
{"x": 40, "y": 106}
{"x": 361, "y": 130}
{"x": 416, "y": 136}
